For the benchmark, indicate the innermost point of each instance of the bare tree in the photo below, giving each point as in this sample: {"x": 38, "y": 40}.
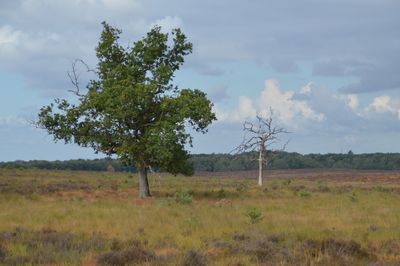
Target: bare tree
{"x": 259, "y": 136}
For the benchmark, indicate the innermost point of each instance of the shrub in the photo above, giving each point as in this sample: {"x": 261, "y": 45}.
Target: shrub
{"x": 333, "y": 247}
{"x": 305, "y": 193}
{"x": 221, "y": 194}
{"x": 353, "y": 197}
{"x": 183, "y": 197}
{"x": 3, "y": 253}
{"x": 264, "y": 250}
{"x": 380, "y": 188}
{"x": 134, "y": 254}
{"x": 240, "y": 237}
{"x": 48, "y": 247}
{"x": 241, "y": 187}
{"x": 194, "y": 258}
{"x": 255, "y": 215}
{"x": 275, "y": 185}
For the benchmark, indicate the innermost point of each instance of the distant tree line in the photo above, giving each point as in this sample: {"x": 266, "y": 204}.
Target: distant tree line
{"x": 293, "y": 160}
{"x": 227, "y": 162}
{"x": 80, "y": 164}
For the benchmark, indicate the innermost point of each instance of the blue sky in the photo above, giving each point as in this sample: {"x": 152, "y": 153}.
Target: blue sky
{"x": 329, "y": 69}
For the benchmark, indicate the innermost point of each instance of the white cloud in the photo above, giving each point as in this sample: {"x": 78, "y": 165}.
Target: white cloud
{"x": 12, "y": 120}
{"x": 245, "y": 110}
{"x": 286, "y": 107}
{"x": 40, "y": 38}
{"x": 168, "y": 23}
{"x": 384, "y": 104}
{"x": 317, "y": 109}
{"x": 120, "y": 4}
{"x": 9, "y": 36}
{"x": 288, "y": 110}
{"x": 352, "y": 101}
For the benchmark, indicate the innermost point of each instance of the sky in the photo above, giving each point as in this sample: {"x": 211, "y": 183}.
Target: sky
{"x": 328, "y": 68}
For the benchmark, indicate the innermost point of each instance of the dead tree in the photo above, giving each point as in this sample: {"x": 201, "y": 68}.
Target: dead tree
{"x": 259, "y": 136}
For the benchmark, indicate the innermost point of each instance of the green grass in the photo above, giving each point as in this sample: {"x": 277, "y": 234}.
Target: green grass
{"x": 89, "y": 211}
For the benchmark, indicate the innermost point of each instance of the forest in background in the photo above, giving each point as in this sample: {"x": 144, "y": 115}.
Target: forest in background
{"x": 227, "y": 162}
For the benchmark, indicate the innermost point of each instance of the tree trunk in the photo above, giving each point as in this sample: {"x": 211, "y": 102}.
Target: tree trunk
{"x": 260, "y": 165}
{"x": 144, "y": 189}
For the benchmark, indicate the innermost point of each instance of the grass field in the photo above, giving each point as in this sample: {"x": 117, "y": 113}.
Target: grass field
{"x": 300, "y": 218}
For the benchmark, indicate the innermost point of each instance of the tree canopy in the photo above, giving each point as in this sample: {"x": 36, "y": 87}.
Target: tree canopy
{"x": 133, "y": 109}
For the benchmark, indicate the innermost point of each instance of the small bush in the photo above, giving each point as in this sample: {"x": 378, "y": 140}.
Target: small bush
{"x": 323, "y": 188}
{"x": 380, "y": 188}
{"x": 353, "y": 197}
{"x": 305, "y": 193}
{"x": 240, "y": 237}
{"x": 255, "y": 215}
{"x": 192, "y": 221}
{"x": 48, "y": 247}
{"x": 34, "y": 196}
{"x": 264, "y": 250}
{"x": 116, "y": 245}
{"x": 221, "y": 194}
{"x": 275, "y": 185}
{"x": 183, "y": 197}
{"x": 241, "y": 187}
{"x": 134, "y": 254}
{"x": 3, "y": 253}
{"x": 333, "y": 247}
{"x": 194, "y": 258}
{"x": 387, "y": 248}
{"x": 218, "y": 243}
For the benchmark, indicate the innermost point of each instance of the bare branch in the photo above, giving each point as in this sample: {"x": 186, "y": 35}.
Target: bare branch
{"x": 263, "y": 134}
{"x": 74, "y": 76}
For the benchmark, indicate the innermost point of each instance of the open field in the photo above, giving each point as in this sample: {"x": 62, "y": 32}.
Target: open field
{"x": 302, "y": 217}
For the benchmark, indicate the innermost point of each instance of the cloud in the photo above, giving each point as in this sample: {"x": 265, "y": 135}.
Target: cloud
{"x": 377, "y": 77}
{"x": 47, "y": 35}
{"x": 384, "y": 104}
{"x": 285, "y": 105}
{"x": 168, "y": 23}
{"x": 314, "y": 108}
{"x": 8, "y": 36}
{"x": 13, "y": 121}
{"x": 321, "y": 119}
{"x": 218, "y": 93}
{"x": 284, "y": 65}
{"x": 287, "y": 109}
{"x": 120, "y": 5}
{"x": 39, "y": 39}
{"x": 245, "y": 110}
{"x": 21, "y": 141}
{"x": 352, "y": 101}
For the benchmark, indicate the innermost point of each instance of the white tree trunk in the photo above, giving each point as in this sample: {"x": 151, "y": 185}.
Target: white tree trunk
{"x": 260, "y": 166}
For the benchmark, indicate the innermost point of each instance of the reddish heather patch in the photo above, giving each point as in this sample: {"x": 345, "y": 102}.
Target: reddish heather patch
{"x": 93, "y": 196}
{"x": 144, "y": 201}
{"x": 313, "y": 174}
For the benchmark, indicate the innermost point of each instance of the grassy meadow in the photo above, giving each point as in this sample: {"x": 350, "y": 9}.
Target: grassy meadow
{"x": 307, "y": 217}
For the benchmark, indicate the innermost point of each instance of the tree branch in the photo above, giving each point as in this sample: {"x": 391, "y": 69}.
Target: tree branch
{"x": 74, "y": 77}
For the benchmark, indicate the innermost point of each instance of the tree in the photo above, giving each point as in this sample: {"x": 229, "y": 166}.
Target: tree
{"x": 132, "y": 109}
{"x": 263, "y": 134}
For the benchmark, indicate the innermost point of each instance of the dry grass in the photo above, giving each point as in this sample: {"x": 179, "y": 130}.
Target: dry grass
{"x": 309, "y": 218}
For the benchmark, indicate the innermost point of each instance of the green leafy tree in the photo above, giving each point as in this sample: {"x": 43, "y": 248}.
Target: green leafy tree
{"x": 132, "y": 109}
